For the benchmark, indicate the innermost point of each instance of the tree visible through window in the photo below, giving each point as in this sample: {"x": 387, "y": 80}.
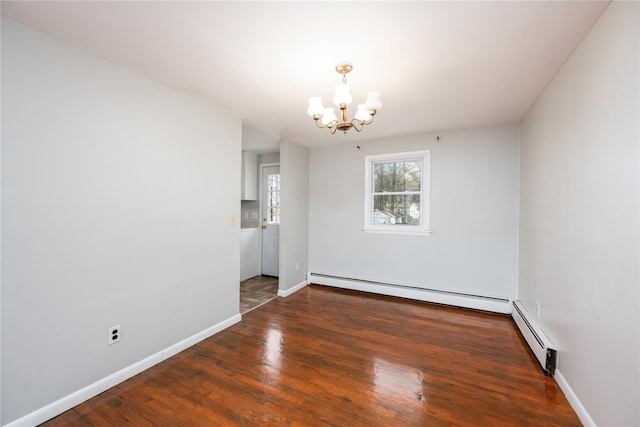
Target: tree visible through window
{"x": 273, "y": 198}
{"x": 397, "y": 192}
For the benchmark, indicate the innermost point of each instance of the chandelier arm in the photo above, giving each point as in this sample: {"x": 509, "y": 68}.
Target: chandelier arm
{"x": 333, "y": 129}
{"x": 370, "y": 120}
{"x": 328, "y": 125}
{"x": 355, "y": 123}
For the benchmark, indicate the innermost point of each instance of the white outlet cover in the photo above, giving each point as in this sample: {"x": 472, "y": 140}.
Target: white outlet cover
{"x": 115, "y": 334}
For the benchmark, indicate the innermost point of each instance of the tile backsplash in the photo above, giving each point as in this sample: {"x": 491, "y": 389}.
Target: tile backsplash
{"x": 249, "y": 214}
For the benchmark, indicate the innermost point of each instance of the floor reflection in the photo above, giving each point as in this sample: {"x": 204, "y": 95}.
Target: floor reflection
{"x": 272, "y": 353}
{"x": 398, "y": 382}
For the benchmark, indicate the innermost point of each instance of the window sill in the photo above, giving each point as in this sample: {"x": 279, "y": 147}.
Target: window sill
{"x": 398, "y": 232}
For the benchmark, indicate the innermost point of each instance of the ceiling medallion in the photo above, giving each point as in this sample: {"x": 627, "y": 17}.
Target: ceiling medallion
{"x": 326, "y": 117}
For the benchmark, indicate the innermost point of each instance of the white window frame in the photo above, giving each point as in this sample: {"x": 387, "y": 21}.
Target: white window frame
{"x": 423, "y": 227}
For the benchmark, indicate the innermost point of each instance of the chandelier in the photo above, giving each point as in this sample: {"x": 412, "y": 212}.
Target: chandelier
{"x": 326, "y": 118}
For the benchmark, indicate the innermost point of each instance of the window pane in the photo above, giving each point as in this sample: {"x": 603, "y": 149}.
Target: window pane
{"x": 273, "y": 199}
{"x": 397, "y": 176}
{"x": 396, "y": 209}
{"x": 394, "y": 194}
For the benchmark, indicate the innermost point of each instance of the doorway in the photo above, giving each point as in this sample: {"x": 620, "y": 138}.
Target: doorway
{"x": 270, "y": 207}
{"x": 257, "y": 291}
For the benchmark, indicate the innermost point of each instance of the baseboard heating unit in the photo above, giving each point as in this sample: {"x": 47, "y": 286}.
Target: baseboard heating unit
{"x": 478, "y": 302}
{"x": 538, "y": 341}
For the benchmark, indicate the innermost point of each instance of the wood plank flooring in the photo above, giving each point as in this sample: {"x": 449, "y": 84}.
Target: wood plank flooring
{"x": 329, "y": 357}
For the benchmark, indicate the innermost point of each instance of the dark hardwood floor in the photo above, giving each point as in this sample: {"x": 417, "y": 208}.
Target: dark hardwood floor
{"x": 329, "y": 357}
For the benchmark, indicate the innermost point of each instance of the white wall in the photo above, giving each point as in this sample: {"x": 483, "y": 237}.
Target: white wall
{"x": 474, "y": 203}
{"x": 269, "y": 158}
{"x": 579, "y": 217}
{"x": 294, "y": 214}
{"x": 116, "y": 202}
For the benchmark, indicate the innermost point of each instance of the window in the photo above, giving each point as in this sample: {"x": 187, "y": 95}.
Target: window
{"x": 397, "y": 193}
{"x": 273, "y": 199}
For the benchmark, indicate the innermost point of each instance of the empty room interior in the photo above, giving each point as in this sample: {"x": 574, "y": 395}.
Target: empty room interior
{"x": 320, "y": 213}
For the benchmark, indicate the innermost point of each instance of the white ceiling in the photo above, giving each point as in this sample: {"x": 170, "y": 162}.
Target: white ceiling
{"x": 438, "y": 65}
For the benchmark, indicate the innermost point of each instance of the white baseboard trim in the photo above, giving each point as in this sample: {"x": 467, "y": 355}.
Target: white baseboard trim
{"x": 56, "y": 408}
{"x": 286, "y": 292}
{"x": 575, "y": 403}
{"x": 496, "y": 305}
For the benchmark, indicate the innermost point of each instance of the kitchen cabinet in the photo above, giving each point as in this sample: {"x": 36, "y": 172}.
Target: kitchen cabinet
{"x": 249, "y": 181}
{"x": 249, "y": 253}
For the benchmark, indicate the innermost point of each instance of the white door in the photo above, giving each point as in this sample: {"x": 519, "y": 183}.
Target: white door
{"x": 270, "y": 220}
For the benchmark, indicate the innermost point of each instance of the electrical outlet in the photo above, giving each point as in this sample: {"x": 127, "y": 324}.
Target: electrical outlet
{"x": 297, "y": 266}
{"x": 538, "y": 308}
{"x": 114, "y": 334}
{"x": 232, "y": 220}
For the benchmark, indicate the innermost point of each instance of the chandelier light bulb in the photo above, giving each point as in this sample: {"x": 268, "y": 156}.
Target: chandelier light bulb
{"x": 373, "y": 101}
{"x": 363, "y": 113}
{"x": 342, "y": 95}
{"x": 328, "y": 116}
{"x": 315, "y": 106}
